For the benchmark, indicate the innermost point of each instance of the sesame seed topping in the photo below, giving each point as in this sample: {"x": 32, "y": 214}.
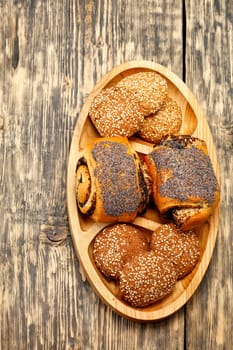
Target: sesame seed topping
{"x": 146, "y": 278}
{"x": 115, "y": 111}
{"x": 115, "y": 245}
{"x": 150, "y": 88}
{"x": 182, "y": 248}
{"x": 166, "y": 121}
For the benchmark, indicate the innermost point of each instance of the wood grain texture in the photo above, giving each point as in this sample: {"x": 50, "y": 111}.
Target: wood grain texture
{"x": 84, "y": 230}
{"x": 209, "y": 73}
{"x": 51, "y": 55}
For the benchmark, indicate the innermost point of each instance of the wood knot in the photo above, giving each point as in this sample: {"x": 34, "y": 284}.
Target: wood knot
{"x": 56, "y": 234}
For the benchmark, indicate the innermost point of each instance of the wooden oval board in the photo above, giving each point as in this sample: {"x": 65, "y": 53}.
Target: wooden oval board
{"x": 84, "y": 230}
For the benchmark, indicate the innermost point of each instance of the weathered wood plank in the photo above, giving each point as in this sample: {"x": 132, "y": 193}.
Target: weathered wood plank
{"x": 209, "y": 73}
{"x": 52, "y": 53}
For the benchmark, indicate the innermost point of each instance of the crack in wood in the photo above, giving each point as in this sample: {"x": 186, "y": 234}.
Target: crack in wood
{"x": 1, "y": 122}
{"x": 184, "y": 40}
{"x": 15, "y": 50}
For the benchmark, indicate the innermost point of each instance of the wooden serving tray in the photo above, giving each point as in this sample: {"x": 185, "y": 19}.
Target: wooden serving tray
{"x": 84, "y": 230}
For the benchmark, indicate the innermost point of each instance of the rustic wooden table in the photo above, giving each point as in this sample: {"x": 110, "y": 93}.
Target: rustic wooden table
{"x": 52, "y": 54}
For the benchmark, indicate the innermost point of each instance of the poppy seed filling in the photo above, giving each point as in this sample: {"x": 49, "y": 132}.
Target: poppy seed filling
{"x": 117, "y": 173}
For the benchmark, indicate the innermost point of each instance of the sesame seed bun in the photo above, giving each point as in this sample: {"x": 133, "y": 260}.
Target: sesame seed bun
{"x": 115, "y": 111}
{"x": 150, "y": 88}
{"x": 166, "y": 121}
{"x": 146, "y": 278}
{"x": 114, "y": 245}
{"x": 182, "y": 249}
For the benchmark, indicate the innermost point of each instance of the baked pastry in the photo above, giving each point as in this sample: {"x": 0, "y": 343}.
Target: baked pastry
{"x": 146, "y": 278}
{"x": 115, "y": 245}
{"x": 181, "y": 248}
{"x": 183, "y": 180}
{"x": 166, "y": 121}
{"x": 188, "y": 218}
{"x": 111, "y": 182}
{"x": 115, "y": 111}
{"x": 149, "y": 87}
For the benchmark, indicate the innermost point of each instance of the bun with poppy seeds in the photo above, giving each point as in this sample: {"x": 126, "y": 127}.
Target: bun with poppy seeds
{"x": 111, "y": 181}
{"x": 183, "y": 180}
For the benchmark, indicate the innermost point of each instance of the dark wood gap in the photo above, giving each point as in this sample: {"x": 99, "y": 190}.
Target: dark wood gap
{"x": 184, "y": 40}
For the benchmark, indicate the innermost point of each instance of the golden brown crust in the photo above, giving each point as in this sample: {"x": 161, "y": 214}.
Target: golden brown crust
{"x": 85, "y": 187}
{"x": 83, "y": 184}
{"x": 183, "y": 177}
{"x": 115, "y": 245}
{"x": 189, "y": 218}
{"x": 150, "y": 88}
{"x": 166, "y": 121}
{"x": 147, "y": 278}
{"x": 115, "y": 111}
{"x": 183, "y": 249}
{"x": 118, "y": 188}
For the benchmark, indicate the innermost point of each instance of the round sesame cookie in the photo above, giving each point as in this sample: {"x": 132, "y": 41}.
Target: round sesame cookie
{"x": 146, "y": 278}
{"x": 150, "y": 89}
{"x": 181, "y": 248}
{"x": 115, "y": 244}
{"x": 115, "y": 111}
{"x": 166, "y": 121}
